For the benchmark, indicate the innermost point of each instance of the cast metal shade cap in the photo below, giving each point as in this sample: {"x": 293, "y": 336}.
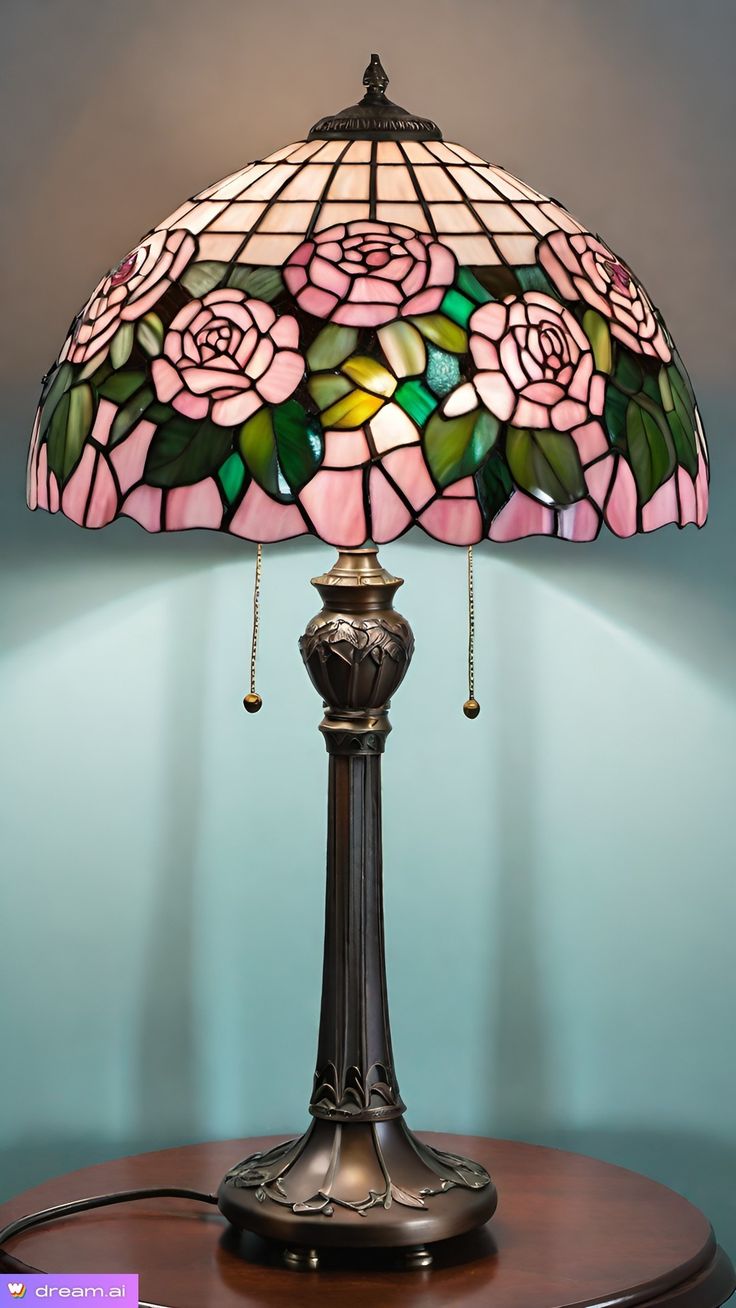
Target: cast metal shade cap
{"x": 363, "y": 331}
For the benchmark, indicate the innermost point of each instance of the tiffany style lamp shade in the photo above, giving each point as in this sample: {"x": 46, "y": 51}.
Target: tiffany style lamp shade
{"x": 366, "y": 330}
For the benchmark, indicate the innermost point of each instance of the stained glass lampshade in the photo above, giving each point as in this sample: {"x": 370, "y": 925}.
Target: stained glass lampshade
{"x": 364, "y": 331}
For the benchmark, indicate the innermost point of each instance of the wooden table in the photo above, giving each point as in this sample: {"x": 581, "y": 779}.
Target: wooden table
{"x": 568, "y": 1231}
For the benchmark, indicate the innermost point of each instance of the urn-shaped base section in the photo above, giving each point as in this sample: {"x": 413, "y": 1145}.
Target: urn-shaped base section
{"x": 356, "y": 1185}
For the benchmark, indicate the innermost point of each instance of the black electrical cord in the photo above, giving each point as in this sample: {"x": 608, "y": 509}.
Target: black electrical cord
{"x": 30, "y": 1220}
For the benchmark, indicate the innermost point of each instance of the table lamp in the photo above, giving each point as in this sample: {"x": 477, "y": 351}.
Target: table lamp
{"x": 367, "y": 330}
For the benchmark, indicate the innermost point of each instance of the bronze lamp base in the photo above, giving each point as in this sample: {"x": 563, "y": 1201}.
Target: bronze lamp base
{"x": 358, "y": 1176}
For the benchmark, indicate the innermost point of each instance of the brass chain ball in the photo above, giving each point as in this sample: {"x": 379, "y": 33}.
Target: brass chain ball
{"x": 252, "y": 703}
{"x": 471, "y": 708}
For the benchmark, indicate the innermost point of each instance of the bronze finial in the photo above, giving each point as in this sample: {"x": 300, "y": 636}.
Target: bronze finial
{"x": 375, "y": 78}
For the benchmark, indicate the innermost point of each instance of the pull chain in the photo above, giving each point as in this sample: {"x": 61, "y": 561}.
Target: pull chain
{"x": 471, "y": 707}
{"x": 252, "y": 702}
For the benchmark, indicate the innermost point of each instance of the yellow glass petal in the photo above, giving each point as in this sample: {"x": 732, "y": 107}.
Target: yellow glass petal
{"x": 351, "y": 411}
{"x": 370, "y": 375}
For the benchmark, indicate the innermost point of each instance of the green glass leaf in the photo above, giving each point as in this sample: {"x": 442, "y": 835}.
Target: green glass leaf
{"x": 69, "y": 428}
{"x": 665, "y": 391}
{"x": 534, "y": 278}
{"x": 352, "y": 410}
{"x": 119, "y": 386}
{"x": 415, "y": 400}
{"x": 597, "y": 331}
{"x": 469, "y": 285}
{"x": 262, "y": 283}
{"x": 456, "y": 447}
{"x": 199, "y": 278}
{"x": 183, "y": 452}
{"x": 443, "y": 371}
{"x": 440, "y": 331}
{"x": 257, "y": 441}
{"x": 495, "y": 486}
{"x": 372, "y": 376}
{"x": 614, "y": 415}
{"x": 404, "y": 348}
{"x": 158, "y": 412}
{"x": 150, "y": 333}
{"x": 232, "y": 476}
{"x": 299, "y": 443}
{"x": 121, "y": 345}
{"x": 326, "y": 387}
{"x": 650, "y": 447}
{"x": 546, "y": 465}
{"x": 457, "y": 306}
{"x": 679, "y": 367}
{"x": 56, "y": 386}
{"x": 130, "y": 413}
{"x": 97, "y": 368}
{"x": 330, "y": 346}
{"x": 682, "y": 395}
{"x": 680, "y": 415}
{"x": 628, "y": 374}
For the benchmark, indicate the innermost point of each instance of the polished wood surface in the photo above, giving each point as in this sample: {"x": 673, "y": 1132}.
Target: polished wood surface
{"x": 568, "y": 1231}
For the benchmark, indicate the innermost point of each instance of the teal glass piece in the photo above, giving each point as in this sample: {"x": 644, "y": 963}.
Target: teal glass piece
{"x": 415, "y": 400}
{"x": 457, "y": 306}
{"x": 232, "y": 476}
{"x": 443, "y": 371}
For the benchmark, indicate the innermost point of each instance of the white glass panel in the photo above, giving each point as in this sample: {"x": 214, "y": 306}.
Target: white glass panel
{"x": 201, "y": 216}
{"x": 502, "y": 183}
{"x": 329, "y": 151}
{"x": 409, "y": 215}
{"x": 234, "y": 185}
{"x": 536, "y": 218}
{"x": 351, "y": 182}
{"x": 358, "y": 152}
{"x": 453, "y": 218}
{"x": 305, "y": 151}
{"x": 475, "y": 187}
{"x": 501, "y": 218}
{"x": 472, "y": 249}
{"x": 218, "y": 246}
{"x": 465, "y": 153}
{"x": 308, "y": 184}
{"x": 417, "y": 152}
{"x": 388, "y": 152}
{"x": 239, "y": 217}
{"x": 562, "y": 218}
{"x": 330, "y": 214}
{"x": 267, "y": 185}
{"x": 524, "y": 190}
{"x": 268, "y": 249}
{"x": 393, "y": 182}
{"x": 284, "y": 152}
{"x": 437, "y": 184}
{"x": 441, "y": 151}
{"x": 517, "y": 249}
{"x": 287, "y": 217}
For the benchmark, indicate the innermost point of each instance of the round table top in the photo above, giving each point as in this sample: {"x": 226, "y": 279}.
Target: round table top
{"x": 569, "y": 1230}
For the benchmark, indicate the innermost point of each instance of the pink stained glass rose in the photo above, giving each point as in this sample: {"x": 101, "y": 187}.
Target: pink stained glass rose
{"x": 581, "y": 267}
{"x": 225, "y": 355}
{"x": 534, "y": 363}
{"x": 365, "y": 274}
{"x": 133, "y": 287}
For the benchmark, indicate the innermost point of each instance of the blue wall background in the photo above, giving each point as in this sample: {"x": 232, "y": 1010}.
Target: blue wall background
{"x": 560, "y": 874}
